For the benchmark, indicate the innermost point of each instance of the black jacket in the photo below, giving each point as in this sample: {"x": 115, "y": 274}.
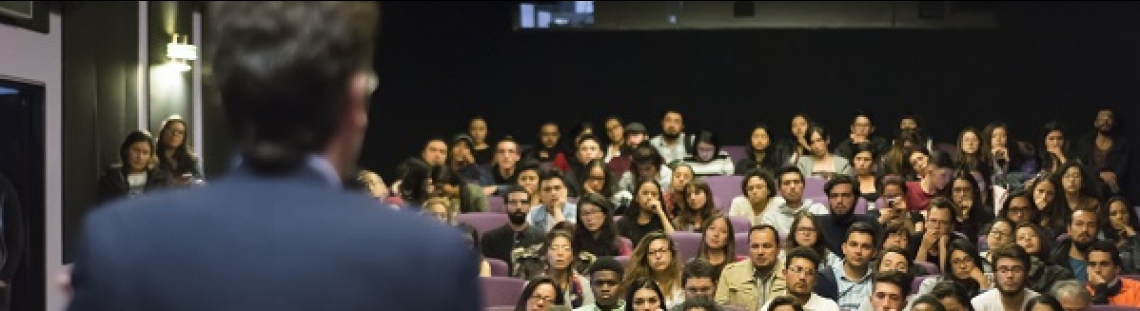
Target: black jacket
{"x": 114, "y": 184}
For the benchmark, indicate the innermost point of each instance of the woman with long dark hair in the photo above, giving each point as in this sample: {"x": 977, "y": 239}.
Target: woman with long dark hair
{"x": 718, "y": 244}
{"x": 1118, "y": 225}
{"x": 175, "y": 156}
{"x": 645, "y": 214}
{"x": 964, "y": 267}
{"x": 1054, "y": 147}
{"x": 644, "y": 294}
{"x": 698, "y": 207}
{"x": 415, "y": 186}
{"x": 540, "y": 294}
{"x": 135, "y": 174}
{"x": 973, "y": 213}
{"x": 465, "y": 198}
{"x": 1040, "y": 273}
{"x": 595, "y": 231}
{"x": 761, "y": 153}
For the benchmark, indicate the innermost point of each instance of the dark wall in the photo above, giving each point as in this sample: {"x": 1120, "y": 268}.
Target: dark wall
{"x": 441, "y": 63}
{"x": 101, "y": 90}
{"x": 100, "y": 100}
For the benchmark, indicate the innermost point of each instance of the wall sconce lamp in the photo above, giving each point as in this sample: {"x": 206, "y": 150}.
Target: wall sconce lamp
{"x": 180, "y": 53}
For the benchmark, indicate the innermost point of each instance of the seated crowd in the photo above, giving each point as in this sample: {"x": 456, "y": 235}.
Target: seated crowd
{"x": 988, "y": 223}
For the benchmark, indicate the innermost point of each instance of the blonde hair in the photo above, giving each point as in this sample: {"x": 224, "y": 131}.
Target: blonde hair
{"x": 446, "y": 203}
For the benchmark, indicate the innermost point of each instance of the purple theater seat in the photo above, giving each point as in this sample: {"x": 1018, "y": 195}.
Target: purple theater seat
{"x": 483, "y": 222}
{"x": 498, "y": 267}
{"x": 821, "y": 199}
{"x": 742, "y": 245}
{"x": 740, "y": 224}
{"x": 918, "y": 282}
{"x": 496, "y": 205}
{"x": 813, "y": 186}
{"x": 501, "y": 291}
{"x": 687, "y": 244}
{"x": 735, "y": 152}
{"x": 861, "y": 206}
{"x": 623, "y": 260}
{"x": 723, "y": 189}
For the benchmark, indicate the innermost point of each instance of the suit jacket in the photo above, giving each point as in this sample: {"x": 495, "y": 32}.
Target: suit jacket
{"x": 254, "y": 242}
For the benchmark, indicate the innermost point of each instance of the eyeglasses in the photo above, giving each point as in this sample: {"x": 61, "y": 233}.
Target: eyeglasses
{"x": 801, "y": 270}
{"x": 596, "y": 178}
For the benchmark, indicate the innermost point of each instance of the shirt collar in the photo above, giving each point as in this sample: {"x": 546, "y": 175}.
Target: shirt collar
{"x": 318, "y": 164}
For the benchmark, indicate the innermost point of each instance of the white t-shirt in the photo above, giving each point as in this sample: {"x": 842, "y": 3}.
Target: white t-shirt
{"x": 991, "y": 300}
{"x": 136, "y": 183}
{"x": 815, "y": 303}
{"x": 741, "y": 207}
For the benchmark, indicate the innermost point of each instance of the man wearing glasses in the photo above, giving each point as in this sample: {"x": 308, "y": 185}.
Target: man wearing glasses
{"x": 800, "y": 275}
{"x": 1009, "y": 292}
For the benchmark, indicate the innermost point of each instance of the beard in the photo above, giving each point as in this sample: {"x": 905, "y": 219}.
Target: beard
{"x": 1083, "y": 247}
{"x": 517, "y": 218}
{"x": 671, "y": 136}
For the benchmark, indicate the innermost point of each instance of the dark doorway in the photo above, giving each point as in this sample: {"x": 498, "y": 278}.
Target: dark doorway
{"x": 22, "y": 162}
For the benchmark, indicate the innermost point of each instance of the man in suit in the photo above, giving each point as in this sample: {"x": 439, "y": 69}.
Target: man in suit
{"x": 279, "y": 233}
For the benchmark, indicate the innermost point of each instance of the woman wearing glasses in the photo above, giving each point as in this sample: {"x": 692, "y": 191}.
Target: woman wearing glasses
{"x": 539, "y": 295}
{"x": 656, "y": 258}
{"x": 964, "y": 267}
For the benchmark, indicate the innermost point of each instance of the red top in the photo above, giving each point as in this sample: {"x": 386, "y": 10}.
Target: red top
{"x": 916, "y": 199}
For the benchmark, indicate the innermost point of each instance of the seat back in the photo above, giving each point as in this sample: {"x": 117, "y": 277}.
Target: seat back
{"x": 724, "y": 188}
{"x": 496, "y": 205}
{"x": 735, "y": 152}
{"x": 483, "y": 222}
{"x": 501, "y": 291}
{"x": 813, "y": 187}
{"x": 687, "y": 244}
{"x": 740, "y": 224}
{"x": 498, "y": 267}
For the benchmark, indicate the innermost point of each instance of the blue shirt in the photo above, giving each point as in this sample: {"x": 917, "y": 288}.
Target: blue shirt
{"x": 852, "y": 293}
{"x": 1080, "y": 270}
{"x": 540, "y": 218}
